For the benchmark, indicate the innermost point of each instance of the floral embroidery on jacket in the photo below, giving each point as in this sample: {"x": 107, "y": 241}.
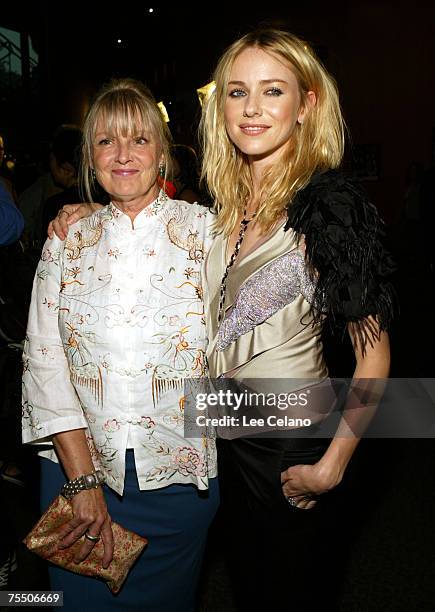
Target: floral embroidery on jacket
{"x": 116, "y": 325}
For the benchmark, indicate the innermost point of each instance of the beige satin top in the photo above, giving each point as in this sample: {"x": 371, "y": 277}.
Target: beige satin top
{"x": 267, "y": 330}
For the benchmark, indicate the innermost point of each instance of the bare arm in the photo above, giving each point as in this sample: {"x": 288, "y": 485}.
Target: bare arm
{"x": 328, "y": 472}
{"x": 89, "y": 507}
{"x": 374, "y": 364}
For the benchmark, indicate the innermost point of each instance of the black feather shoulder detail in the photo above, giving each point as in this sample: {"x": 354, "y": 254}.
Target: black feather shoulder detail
{"x": 343, "y": 236}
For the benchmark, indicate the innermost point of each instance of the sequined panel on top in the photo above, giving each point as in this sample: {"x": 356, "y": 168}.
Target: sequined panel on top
{"x": 277, "y": 284}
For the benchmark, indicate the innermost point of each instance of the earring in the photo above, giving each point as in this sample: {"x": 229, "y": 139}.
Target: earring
{"x": 93, "y": 174}
{"x": 162, "y": 170}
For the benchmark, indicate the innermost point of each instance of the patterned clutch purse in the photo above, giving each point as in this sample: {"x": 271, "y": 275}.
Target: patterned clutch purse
{"x": 43, "y": 540}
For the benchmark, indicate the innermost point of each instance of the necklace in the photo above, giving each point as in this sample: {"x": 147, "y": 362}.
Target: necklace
{"x": 243, "y": 227}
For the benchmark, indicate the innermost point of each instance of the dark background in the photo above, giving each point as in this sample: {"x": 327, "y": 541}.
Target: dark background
{"x": 381, "y": 53}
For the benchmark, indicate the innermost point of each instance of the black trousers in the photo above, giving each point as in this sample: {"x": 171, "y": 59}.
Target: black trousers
{"x": 280, "y": 557}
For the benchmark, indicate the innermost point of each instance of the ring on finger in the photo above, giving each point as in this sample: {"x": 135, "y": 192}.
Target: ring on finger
{"x": 62, "y": 211}
{"x": 291, "y": 500}
{"x": 92, "y": 538}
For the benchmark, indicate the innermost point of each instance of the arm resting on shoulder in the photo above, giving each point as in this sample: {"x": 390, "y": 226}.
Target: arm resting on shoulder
{"x": 69, "y": 214}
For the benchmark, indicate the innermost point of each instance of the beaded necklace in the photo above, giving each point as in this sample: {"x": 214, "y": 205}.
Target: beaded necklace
{"x": 243, "y": 227}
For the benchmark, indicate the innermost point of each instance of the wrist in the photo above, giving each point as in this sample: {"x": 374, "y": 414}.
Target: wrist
{"x": 83, "y": 482}
{"x": 337, "y": 456}
{"x": 331, "y": 470}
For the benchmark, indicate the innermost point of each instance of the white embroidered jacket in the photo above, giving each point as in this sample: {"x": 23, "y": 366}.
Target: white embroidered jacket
{"x": 116, "y": 324}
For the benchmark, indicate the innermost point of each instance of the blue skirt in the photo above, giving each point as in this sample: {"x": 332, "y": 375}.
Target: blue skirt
{"x": 175, "y": 520}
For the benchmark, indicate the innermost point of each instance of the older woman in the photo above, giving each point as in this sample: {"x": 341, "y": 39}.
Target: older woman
{"x": 116, "y": 324}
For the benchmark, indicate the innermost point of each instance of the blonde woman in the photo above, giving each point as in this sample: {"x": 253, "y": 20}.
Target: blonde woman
{"x": 297, "y": 248}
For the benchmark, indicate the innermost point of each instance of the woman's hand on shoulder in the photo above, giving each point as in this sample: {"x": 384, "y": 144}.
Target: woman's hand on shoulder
{"x": 90, "y": 515}
{"x": 67, "y": 215}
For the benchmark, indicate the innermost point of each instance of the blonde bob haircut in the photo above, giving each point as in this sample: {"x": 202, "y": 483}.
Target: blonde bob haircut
{"x": 317, "y": 144}
{"x": 126, "y": 107}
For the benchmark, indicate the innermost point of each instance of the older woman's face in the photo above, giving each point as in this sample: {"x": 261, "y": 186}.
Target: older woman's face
{"x": 127, "y": 166}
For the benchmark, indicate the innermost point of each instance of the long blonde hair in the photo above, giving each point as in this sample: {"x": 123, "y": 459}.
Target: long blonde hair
{"x": 126, "y": 107}
{"x": 315, "y": 145}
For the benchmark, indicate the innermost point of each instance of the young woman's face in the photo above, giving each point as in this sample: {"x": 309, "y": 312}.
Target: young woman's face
{"x": 263, "y": 104}
{"x": 127, "y": 166}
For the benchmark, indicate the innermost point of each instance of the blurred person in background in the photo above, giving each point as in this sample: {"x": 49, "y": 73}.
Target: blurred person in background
{"x": 64, "y": 167}
{"x": 11, "y": 227}
{"x": 6, "y": 169}
{"x": 185, "y": 174}
{"x": 11, "y": 219}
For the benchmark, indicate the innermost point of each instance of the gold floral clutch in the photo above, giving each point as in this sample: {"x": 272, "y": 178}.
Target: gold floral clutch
{"x": 43, "y": 540}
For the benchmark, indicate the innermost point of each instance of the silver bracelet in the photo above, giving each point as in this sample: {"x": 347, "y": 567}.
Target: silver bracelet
{"x": 82, "y": 483}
